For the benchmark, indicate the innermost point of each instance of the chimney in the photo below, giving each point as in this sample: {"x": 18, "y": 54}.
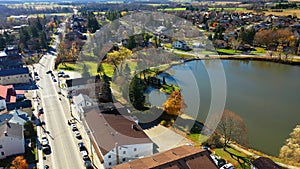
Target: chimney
{"x": 5, "y": 133}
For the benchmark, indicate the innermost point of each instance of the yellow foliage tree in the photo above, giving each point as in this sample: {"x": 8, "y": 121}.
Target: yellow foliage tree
{"x": 19, "y": 163}
{"x": 291, "y": 150}
{"x": 116, "y": 57}
{"x": 174, "y": 105}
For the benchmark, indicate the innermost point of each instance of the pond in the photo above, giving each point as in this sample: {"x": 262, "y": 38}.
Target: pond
{"x": 265, "y": 94}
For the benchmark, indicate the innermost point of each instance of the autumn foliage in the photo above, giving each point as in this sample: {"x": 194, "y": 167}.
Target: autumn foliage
{"x": 175, "y": 104}
{"x": 291, "y": 150}
{"x": 19, "y": 163}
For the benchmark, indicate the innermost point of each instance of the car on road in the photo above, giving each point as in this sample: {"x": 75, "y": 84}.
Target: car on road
{"x": 54, "y": 80}
{"x": 88, "y": 164}
{"x": 74, "y": 127}
{"x": 44, "y": 141}
{"x": 49, "y": 71}
{"x": 81, "y": 146}
{"x": 46, "y": 149}
{"x": 84, "y": 155}
{"x": 77, "y": 134}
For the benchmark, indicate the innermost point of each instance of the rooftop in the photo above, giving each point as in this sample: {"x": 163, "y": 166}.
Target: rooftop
{"x": 16, "y": 71}
{"x": 265, "y": 163}
{"x": 183, "y": 157}
{"x": 114, "y": 126}
{"x": 11, "y": 129}
{"x": 81, "y": 81}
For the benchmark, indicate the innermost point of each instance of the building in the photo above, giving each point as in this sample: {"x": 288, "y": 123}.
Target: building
{"x": 117, "y": 136}
{"x": 183, "y": 157}
{"x": 85, "y": 85}
{"x": 180, "y": 44}
{"x": 11, "y": 139}
{"x": 9, "y": 96}
{"x": 264, "y": 163}
{"x": 15, "y": 116}
{"x": 15, "y": 76}
{"x": 10, "y": 58}
{"x": 80, "y": 101}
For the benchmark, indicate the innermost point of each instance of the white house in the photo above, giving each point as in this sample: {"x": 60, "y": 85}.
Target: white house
{"x": 11, "y": 139}
{"x": 117, "y": 136}
{"x": 85, "y": 85}
{"x": 180, "y": 44}
{"x": 81, "y": 101}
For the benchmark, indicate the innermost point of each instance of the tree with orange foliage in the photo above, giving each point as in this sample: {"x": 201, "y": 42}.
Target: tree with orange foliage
{"x": 174, "y": 105}
{"x": 19, "y": 163}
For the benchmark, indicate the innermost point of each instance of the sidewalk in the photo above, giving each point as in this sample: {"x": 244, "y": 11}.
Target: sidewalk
{"x": 85, "y": 137}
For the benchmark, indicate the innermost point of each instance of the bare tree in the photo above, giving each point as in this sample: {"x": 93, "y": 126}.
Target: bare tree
{"x": 232, "y": 128}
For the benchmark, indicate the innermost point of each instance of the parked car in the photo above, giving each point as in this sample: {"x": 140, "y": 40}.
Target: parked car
{"x": 49, "y": 71}
{"x": 81, "y": 146}
{"x": 54, "y": 80}
{"x": 46, "y": 149}
{"x": 227, "y": 166}
{"x": 37, "y": 78}
{"x": 77, "y": 134}
{"x": 88, "y": 164}
{"x": 84, "y": 154}
{"x": 44, "y": 141}
{"x": 74, "y": 128}
{"x": 66, "y": 76}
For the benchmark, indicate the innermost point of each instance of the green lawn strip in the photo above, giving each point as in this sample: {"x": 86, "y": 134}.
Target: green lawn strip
{"x": 226, "y": 156}
{"x": 258, "y": 51}
{"x": 229, "y": 51}
{"x": 92, "y": 67}
{"x": 172, "y": 9}
{"x": 197, "y": 138}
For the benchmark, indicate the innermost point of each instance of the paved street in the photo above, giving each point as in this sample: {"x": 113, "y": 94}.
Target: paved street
{"x": 64, "y": 150}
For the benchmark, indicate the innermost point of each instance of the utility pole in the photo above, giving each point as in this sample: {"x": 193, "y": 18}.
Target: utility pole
{"x": 117, "y": 154}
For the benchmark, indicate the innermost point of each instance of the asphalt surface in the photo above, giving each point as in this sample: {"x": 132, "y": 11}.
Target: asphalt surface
{"x": 64, "y": 149}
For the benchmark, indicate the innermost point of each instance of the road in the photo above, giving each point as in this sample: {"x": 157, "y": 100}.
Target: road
{"x": 64, "y": 150}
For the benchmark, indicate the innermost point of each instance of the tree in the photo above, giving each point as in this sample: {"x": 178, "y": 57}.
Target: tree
{"x": 174, "y": 105}
{"x": 233, "y": 128}
{"x": 291, "y": 150}
{"x": 105, "y": 91}
{"x": 29, "y": 129}
{"x": 131, "y": 43}
{"x": 19, "y": 163}
{"x": 136, "y": 93}
{"x": 116, "y": 57}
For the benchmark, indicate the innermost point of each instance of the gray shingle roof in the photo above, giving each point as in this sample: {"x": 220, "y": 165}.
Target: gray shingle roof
{"x": 12, "y": 130}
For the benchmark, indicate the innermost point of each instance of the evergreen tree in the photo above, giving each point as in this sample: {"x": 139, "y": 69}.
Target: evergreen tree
{"x": 136, "y": 93}
{"x": 105, "y": 91}
{"x": 131, "y": 43}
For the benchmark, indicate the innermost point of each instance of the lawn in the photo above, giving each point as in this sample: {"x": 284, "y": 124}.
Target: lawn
{"x": 172, "y": 9}
{"x": 258, "y": 51}
{"x": 197, "y": 138}
{"x": 229, "y": 51}
{"x": 77, "y": 67}
{"x": 223, "y": 154}
{"x": 227, "y": 9}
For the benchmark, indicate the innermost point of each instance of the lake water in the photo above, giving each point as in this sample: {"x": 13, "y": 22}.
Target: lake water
{"x": 265, "y": 94}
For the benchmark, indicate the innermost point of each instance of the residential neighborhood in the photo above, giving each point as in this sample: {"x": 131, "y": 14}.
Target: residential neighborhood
{"x": 149, "y": 84}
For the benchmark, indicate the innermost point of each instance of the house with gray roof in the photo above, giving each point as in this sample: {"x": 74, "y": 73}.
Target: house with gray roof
{"x": 11, "y": 139}
{"x": 14, "y": 76}
{"x": 80, "y": 101}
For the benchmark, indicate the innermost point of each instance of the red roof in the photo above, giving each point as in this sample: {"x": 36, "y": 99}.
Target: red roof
{"x": 8, "y": 93}
{"x": 20, "y": 91}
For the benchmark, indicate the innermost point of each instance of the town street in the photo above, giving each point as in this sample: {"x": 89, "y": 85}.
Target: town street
{"x": 64, "y": 150}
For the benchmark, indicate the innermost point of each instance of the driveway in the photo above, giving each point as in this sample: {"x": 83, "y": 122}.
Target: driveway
{"x": 165, "y": 138}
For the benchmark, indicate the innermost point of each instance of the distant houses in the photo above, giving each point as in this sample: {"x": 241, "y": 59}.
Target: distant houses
{"x": 181, "y": 44}
{"x": 187, "y": 157}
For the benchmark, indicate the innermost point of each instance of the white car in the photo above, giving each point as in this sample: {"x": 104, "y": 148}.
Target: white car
{"x": 84, "y": 154}
{"x": 227, "y": 166}
{"x": 44, "y": 141}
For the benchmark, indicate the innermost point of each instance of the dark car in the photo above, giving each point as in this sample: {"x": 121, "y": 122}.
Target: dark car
{"x": 49, "y": 71}
{"x": 81, "y": 146}
{"x": 88, "y": 164}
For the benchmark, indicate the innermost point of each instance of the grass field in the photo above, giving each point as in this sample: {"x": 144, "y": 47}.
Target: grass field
{"x": 258, "y": 51}
{"x": 92, "y": 67}
{"x": 229, "y": 51}
{"x": 228, "y": 9}
{"x": 220, "y": 152}
{"x": 172, "y": 9}
{"x": 285, "y": 12}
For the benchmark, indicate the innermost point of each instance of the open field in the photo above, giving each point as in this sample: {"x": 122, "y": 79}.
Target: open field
{"x": 285, "y": 12}
{"x": 173, "y": 9}
{"x": 228, "y": 9}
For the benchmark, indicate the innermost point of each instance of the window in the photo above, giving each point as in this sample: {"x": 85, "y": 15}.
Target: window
{"x": 109, "y": 156}
{"x": 124, "y": 159}
{"x": 2, "y": 153}
{"x": 124, "y": 152}
{"x": 134, "y": 149}
{"x": 1, "y": 146}
{"x": 109, "y": 163}
{"x": 7, "y": 77}
{"x": 137, "y": 155}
